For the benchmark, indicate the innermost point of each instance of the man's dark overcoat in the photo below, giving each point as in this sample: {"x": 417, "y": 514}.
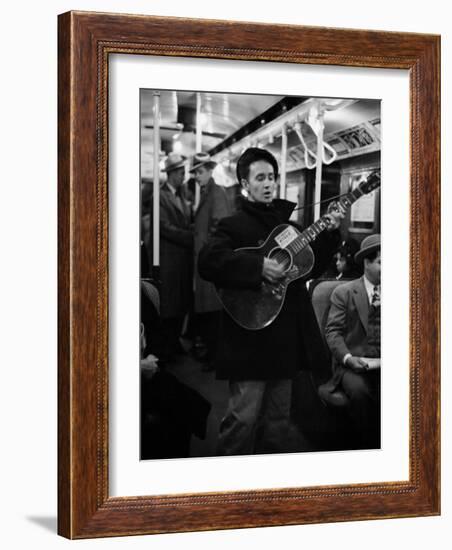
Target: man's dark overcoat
{"x": 176, "y": 255}
{"x": 213, "y": 206}
{"x": 292, "y": 342}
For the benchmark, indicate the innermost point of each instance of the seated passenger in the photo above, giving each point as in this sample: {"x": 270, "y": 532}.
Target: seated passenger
{"x": 170, "y": 410}
{"x": 346, "y": 267}
{"x": 353, "y": 336}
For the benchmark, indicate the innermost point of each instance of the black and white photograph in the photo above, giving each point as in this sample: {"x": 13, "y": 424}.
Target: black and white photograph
{"x": 260, "y": 269}
{"x": 200, "y": 346}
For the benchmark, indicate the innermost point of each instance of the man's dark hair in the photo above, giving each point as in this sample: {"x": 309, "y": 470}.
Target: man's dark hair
{"x": 372, "y": 256}
{"x": 253, "y": 154}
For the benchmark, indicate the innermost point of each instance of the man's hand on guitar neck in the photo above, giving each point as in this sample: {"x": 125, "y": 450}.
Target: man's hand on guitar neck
{"x": 272, "y": 271}
{"x": 335, "y": 213}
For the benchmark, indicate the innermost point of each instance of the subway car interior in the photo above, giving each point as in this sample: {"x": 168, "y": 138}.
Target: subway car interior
{"x": 325, "y": 148}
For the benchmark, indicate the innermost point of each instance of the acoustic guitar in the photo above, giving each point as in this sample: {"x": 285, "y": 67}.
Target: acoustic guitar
{"x": 255, "y": 309}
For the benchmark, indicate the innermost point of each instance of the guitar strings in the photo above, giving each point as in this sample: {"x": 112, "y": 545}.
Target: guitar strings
{"x": 281, "y": 254}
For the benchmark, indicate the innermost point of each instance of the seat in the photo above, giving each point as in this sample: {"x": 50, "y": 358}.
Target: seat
{"x": 321, "y": 290}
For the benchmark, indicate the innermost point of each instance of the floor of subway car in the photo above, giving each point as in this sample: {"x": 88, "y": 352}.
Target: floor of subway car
{"x": 189, "y": 371}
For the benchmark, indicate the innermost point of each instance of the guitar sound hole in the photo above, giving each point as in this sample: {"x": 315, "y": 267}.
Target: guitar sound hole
{"x": 283, "y": 257}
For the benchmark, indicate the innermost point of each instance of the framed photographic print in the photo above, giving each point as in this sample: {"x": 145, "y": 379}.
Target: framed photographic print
{"x": 232, "y": 350}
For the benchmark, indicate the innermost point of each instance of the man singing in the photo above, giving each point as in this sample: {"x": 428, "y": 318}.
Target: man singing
{"x": 261, "y": 364}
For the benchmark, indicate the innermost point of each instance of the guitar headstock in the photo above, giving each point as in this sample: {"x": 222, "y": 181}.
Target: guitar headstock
{"x": 373, "y": 182}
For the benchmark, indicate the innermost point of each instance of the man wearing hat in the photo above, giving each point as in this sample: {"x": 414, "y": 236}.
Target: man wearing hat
{"x": 214, "y": 205}
{"x": 353, "y": 336}
{"x": 176, "y": 252}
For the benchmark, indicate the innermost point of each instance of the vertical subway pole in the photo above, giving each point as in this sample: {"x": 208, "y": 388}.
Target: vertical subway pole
{"x": 198, "y": 148}
{"x": 282, "y": 183}
{"x": 198, "y": 123}
{"x": 156, "y": 188}
{"x": 318, "y": 169}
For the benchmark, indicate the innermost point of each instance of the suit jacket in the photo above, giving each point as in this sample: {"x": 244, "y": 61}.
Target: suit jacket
{"x": 176, "y": 255}
{"x": 214, "y": 205}
{"x": 346, "y": 328}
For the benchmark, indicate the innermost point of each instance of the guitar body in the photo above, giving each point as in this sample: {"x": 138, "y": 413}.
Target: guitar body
{"x": 255, "y": 309}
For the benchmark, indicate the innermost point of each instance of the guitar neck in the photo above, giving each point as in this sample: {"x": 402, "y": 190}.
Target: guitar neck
{"x": 313, "y": 231}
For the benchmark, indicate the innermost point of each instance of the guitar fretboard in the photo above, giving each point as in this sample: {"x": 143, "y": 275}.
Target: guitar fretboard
{"x": 314, "y": 230}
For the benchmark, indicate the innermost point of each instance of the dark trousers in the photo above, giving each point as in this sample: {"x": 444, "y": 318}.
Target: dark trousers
{"x": 208, "y": 326}
{"x": 172, "y": 328}
{"x": 170, "y": 413}
{"x": 363, "y": 391}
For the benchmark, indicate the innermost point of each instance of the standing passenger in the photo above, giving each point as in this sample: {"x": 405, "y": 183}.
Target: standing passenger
{"x": 261, "y": 364}
{"x": 214, "y": 205}
{"x": 176, "y": 253}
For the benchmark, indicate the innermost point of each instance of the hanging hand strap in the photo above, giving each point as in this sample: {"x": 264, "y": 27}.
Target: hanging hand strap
{"x": 315, "y": 120}
{"x": 307, "y": 152}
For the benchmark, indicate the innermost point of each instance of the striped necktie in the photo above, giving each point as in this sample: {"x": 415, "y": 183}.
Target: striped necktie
{"x": 375, "y": 301}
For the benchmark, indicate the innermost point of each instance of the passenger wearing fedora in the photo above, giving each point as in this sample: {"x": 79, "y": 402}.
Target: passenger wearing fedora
{"x": 260, "y": 365}
{"x": 214, "y": 205}
{"x": 353, "y": 336}
{"x": 176, "y": 252}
